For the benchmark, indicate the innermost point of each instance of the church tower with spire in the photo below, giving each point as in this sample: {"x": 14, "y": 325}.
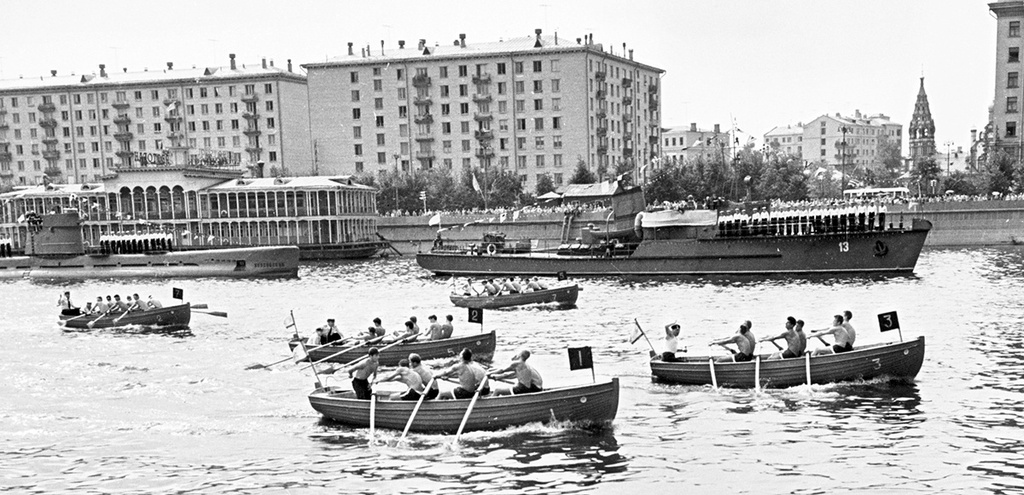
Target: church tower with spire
{"x": 922, "y": 128}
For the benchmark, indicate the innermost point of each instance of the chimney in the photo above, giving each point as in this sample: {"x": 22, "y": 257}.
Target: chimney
{"x": 717, "y": 129}
{"x": 857, "y": 113}
{"x": 362, "y": 52}
{"x": 421, "y": 45}
{"x": 537, "y": 32}
{"x": 556, "y": 37}
{"x": 103, "y": 70}
{"x": 289, "y": 65}
{"x": 350, "y": 48}
{"x": 631, "y": 54}
{"x": 974, "y": 133}
{"x": 232, "y": 57}
{"x": 579, "y": 41}
{"x": 456, "y": 43}
{"x": 125, "y": 69}
{"x": 53, "y": 73}
{"x": 264, "y": 62}
{"x": 693, "y": 127}
{"x": 462, "y": 40}
{"x": 271, "y": 62}
{"x": 382, "y": 48}
{"x": 170, "y": 65}
{"x": 401, "y": 44}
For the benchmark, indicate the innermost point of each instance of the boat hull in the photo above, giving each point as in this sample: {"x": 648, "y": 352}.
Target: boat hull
{"x": 276, "y": 261}
{"x": 592, "y": 403}
{"x": 897, "y": 360}
{"x": 564, "y": 296}
{"x": 170, "y": 316}
{"x": 482, "y": 346}
{"x": 890, "y": 251}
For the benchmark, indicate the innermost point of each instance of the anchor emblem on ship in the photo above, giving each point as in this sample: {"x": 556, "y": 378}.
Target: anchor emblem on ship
{"x": 881, "y": 249}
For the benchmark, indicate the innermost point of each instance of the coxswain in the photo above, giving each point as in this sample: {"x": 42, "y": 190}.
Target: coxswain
{"x": 153, "y": 303}
{"x": 360, "y": 373}
{"x": 66, "y": 307}
{"x": 333, "y": 334}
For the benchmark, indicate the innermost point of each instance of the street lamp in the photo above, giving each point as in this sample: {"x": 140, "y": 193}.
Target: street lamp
{"x": 396, "y": 157}
{"x": 948, "y": 145}
{"x": 842, "y": 151}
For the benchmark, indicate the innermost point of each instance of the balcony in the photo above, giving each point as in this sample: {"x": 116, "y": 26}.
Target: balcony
{"x": 46, "y": 107}
{"x": 175, "y": 136}
{"x": 482, "y": 98}
{"x": 171, "y": 118}
{"x": 652, "y": 88}
{"x": 170, "y": 101}
{"x": 250, "y": 98}
{"x": 425, "y": 118}
{"x": 4, "y": 126}
{"x": 6, "y": 173}
{"x": 627, "y": 100}
{"x": 424, "y": 138}
{"x": 601, "y": 114}
{"x": 653, "y": 103}
{"x": 51, "y": 154}
{"x": 600, "y": 75}
{"x": 483, "y": 135}
{"x": 602, "y": 131}
{"x": 123, "y": 136}
{"x": 425, "y": 155}
{"x": 3, "y": 111}
{"x": 250, "y": 115}
{"x": 602, "y": 149}
{"x": 5, "y": 156}
{"x": 122, "y": 120}
{"x": 484, "y": 153}
{"x": 601, "y": 94}
{"x": 482, "y": 78}
{"x": 627, "y": 149}
{"x": 422, "y": 100}
{"x": 121, "y": 104}
{"x": 50, "y": 140}
{"x": 483, "y": 116}
{"x": 124, "y": 154}
{"x": 48, "y": 123}
{"x": 421, "y": 80}
{"x": 254, "y": 149}
{"x": 627, "y": 82}
{"x": 251, "y": 131}
{"x": 627, "y": 116}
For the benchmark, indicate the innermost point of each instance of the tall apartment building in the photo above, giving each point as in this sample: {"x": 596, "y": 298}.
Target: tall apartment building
{"x": 79, "y": 128}
{"x": 534, "y": 105}
{"x": 822, "y": 139}
{"x": 1006, "y": 122}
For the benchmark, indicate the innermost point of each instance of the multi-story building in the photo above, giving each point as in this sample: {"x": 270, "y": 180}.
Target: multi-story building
{"x": 787, "y": 139}
{"x": 842, "y": 141}
{"x": 533, "y": 106}
{"x": 681, "y": 145}
{"x": 79, "y": 128}
{"x": 1006, "y": 125}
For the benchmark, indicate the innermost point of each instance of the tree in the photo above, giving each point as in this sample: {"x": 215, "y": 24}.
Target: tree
{"x": 582, "y": 175}
{"x": 625, "y": 170}
{"x": 892, "y": 162}
{"x": 1000, "y": 173}
{"x": 544, "y": 185}
{"x": 960, "y": 183}
{"x": 925, "y": 171}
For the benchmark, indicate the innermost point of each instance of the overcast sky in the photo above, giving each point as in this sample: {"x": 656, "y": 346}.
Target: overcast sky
{"x": 762, "y": 63}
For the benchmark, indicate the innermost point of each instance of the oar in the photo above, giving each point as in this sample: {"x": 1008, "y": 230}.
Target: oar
{"x": 465, "y": 418}
{"x": 133, "y": 306}
{"x": 93, "y": 322}
{"x": 211, "y": 313}
{"x": 200, "y": 306}
{"x": 725, "y": 346}
{"x": 373, "y": 414}
{"x": 289, "y": 358}
{"x": 416, "y": 409}
{"x": 63, "y": 322}
{"x": 368, "y": 342}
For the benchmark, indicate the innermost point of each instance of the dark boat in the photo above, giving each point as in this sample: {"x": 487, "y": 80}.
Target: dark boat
{"x": 564, "y": 296}
{"x": 696, "y": 242}
{"x": 589, "y": 404}
{"x": 897, "y": 360}
{"x": 55, "y": 250}
{"x": 170, "y": 316}
{"x": 482, "y": 346}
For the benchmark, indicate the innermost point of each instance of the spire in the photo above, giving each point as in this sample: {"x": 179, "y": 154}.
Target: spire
{"x": 922, "y": 128}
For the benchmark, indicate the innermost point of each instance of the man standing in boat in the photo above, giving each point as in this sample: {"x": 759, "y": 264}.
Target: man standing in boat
{"x": 333, "y": 334}
{"x": 528, "y": 379}
{"x": 796, "y": 340}
{"x": 470, "y": 375}
{"x": 407, "y": 376}
{"x": 671, "y": 342}
{"x": 844, "y": 341}
{"x": 66, "y": 307}
{"x": 360, "y": 373}
{"x": 744, "y": 340}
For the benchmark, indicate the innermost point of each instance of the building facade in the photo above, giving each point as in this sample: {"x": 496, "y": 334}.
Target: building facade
{"x": 1006, "y": 122}
{"x": 80, "y": 128}
{"x": 842, "y": 141}
{"x": 787, "y": 139}
{"x": 681, "y": 145}
{"x": 922, "y": 129}
{"x": 533, "y": 106}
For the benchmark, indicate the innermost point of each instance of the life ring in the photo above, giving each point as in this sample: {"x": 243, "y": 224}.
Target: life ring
{"x": 492, "y": 249}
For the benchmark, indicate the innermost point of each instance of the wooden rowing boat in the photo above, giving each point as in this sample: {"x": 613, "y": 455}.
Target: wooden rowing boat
{"x": 897, "y": 360}
{"x": 482, "y": 346}
{"x": 594, "y": 403}
{"x": 170, "y": 316}
{"x": 564, "y": 296}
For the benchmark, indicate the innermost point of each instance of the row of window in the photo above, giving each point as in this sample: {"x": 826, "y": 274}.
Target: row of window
{"x": 445, "y": 91}
{"x": 539, "y": 143}
{"x": 463, "y": 70}
{"x": 154, "y": 94}
{"x": 104, "y": 114}
{"x": 204, "y": 125}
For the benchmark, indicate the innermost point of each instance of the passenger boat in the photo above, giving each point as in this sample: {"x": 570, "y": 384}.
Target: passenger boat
{"x": 563, "y": 296}
{"x": 170, "y": 316}
{"x": 482, "y": 346}
{"x": 56, "y": 250}
{"x": 699, "y": 242}
{"x": 898, "y": 360}
{"x": 594, "y": 404}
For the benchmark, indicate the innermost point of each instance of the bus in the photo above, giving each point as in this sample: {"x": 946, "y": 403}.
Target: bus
{"x": 881, "y": 193}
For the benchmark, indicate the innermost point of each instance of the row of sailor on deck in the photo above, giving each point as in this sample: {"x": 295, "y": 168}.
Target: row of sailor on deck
{"x": 818, "y": 221}
{"x": 135, "y": 243}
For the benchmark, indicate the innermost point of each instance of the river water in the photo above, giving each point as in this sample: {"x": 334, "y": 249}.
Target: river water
{"x": 130, "y": 412}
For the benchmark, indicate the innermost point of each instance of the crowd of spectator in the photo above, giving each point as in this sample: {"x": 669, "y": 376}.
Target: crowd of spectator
{"x": 520, "y": 212}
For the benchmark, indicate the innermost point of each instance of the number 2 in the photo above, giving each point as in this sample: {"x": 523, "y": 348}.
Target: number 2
{"x": 844, "y": 247}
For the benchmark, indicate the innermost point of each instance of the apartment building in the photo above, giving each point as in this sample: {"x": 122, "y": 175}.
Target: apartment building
{"x": 80, "y": 128}
{"x": 787, "y": 139}
{"x": 839, "y": 140}
{"x": 535, "y": 105}
{"x": 681, "y": 145}
{"x": 1006, "y": 122}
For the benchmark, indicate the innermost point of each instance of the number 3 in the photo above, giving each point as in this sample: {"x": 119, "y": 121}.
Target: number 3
{"x": 844, "y": 247}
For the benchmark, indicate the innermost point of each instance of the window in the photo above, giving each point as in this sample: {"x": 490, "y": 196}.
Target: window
{"x": 521, "y": 162}
{"x": 520, "y": 124}
{"x": 443, "y": 72}
{"x": 203, "y": 109}
{"x": 378, "y": 85}
{"x": 518, "y": 66}
{"x": 1011, "y": 80}
{"x": 465, "y": 145}
{"x": 538, "y": 104}
{"x": 520, "y": 143}
{"x": 356, "y": 114}
{"x": 1014, "y": 31}
{"x": 1011, "y": 104}
{"x": 378, "y": 103}
{"x": 539, "y": 161}
{"x": 446, "y": 146}
{"x": 538, "y": 142}
{"x": 556, "y": 161}
{"x": 202, "y": 92}
{"x": 357, "y": 132}
{"x": 359, "y": 165}
{"x": 503, "y": 125}
{"x": 355, "y": 95}
{"x": 520, "y": 87}
{"x": 376, "y": 71}
{"x": 556, "y": 143}
{"x": 221, "y": 142}
{"x": 401, "y": 94}
{"x": 269, "y": 106}
{"x": 446, "y": 109}
{"x": 556, "y": 122}
{"x": 380, "y": 140}
{"x": 502, "y": 88}
{"x": 154, "y": 95}
{"x": 273, "y": 156}
{"x": 270, "y": 123}
{"x": 444, "y": 91}
{"x": 403, "y": 111}
{"x": 502, "y": 106}
{"x": 382, "y": 157}
{"x": 556, "y": 104}
{"x": 1014, "y": 54}
{"x": 538, "y": 65}
{"x": 463, "y": 71}
{"x": 538, "y": 86}
{"x": 380, "y": 121}
{"x": 556, "y": 85}
{"x": 463, "y": 90}
{"x": 501, "y": 68}
{"x": 464, "y": 108}
{"x": 354, "y": 77}
{"x": 538, "y": 123}
{"x": 520, "y": 105}
{"x": 465, "y": 127}
{"x": 446, "y": 127}
{"x": 400, "y": 73}
{"x": 358, "y": 150}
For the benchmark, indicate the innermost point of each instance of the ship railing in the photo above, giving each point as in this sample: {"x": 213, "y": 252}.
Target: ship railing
{"x": 539, "y": 247}
{"x": 809, "y": 224}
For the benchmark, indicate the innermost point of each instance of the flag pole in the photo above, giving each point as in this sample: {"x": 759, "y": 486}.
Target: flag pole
{"x": 642, "y": 332}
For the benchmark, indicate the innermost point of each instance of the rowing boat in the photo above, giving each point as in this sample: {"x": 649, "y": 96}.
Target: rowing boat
{"x": 897, "y": 360}
{"x": 170, "y": 316}
{"x": 564, "y": 296}
{"x": 482, "y": 346}
{"x": 595, "y": 403}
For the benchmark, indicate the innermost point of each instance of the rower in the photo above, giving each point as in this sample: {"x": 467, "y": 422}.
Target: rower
{"x": 528, "y": 379}
{"x": 434, "y": 332}
{"x": 447, "y": 328}
{"x": 153, "y": 303}
{"x": 360, "y": 373}
{"x": 407, "y": 376}
{"x": 470, "y": 375}
{"x": 426, "y": 375}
